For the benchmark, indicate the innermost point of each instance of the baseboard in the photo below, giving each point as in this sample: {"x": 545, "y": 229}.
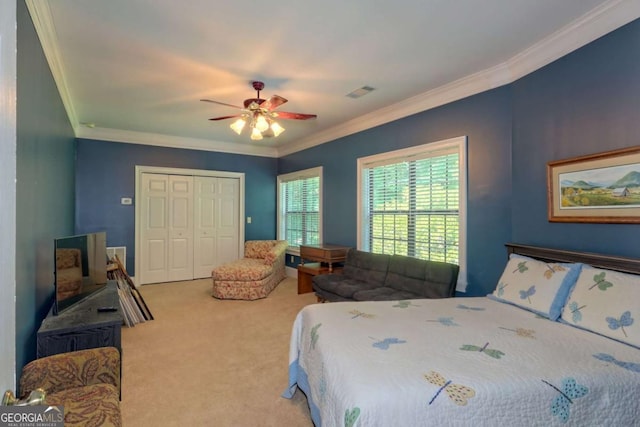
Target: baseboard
{"x": 291, "y": 272}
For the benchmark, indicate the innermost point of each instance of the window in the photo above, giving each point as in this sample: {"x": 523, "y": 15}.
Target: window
{"x": 413, "y": 202}
{"x": 300, "y": 208}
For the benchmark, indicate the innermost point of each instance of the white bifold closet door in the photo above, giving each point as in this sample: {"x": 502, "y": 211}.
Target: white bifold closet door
{"x": 189, "y": 225}
{"x": 216, "y": 223}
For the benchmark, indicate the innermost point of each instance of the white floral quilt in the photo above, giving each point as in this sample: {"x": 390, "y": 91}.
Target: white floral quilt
{"x": 457, "y": 361}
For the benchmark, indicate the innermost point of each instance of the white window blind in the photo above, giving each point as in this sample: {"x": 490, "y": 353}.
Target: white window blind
{"x": 300, "y": 207}
{"x": 412, "y": 203}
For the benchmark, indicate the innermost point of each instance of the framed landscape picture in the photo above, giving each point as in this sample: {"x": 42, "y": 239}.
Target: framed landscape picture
{"x": 603, "y": 187}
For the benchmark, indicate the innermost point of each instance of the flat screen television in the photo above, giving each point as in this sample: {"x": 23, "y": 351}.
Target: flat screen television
{"x": 80, "y": 268}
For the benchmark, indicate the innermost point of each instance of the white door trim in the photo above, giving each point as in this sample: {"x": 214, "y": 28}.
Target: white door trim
{"x": 139, "y": 170}
{"x": 8, "y": 160}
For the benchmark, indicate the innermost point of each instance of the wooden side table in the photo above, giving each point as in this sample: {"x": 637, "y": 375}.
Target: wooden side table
{"x": 306, "y": 273}
{"x": 329, "y": 254}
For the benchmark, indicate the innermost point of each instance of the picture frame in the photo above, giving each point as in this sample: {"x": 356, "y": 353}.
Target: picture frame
{"x": 596, "y": 188}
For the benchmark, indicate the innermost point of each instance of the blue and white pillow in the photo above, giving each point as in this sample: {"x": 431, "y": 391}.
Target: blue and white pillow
{"x": 535, "y": 285}
{"x": 606, "y": 302}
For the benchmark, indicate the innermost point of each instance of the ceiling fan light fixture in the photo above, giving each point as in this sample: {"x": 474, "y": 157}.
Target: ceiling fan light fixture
{"x": 261, "y": 123}
{"x": 259, "y": 114}
{"x": 276, "y": 129}
{"x": 238, "y": 125}
{"x": 256, "y": 135}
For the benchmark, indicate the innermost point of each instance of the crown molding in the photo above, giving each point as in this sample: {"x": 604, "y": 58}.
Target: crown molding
{"x": 459, "y": 89}
{"x": 43, "y": 23}
{"x": 160, "y": 140}
{"x": 596, "y": 23}
{"x": 591, "y": 26}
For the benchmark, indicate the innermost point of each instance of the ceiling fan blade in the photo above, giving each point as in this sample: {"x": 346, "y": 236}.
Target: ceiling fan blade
{"x": 221, "y": 103}
{"x": 225, "y": 117}
{"x": 295, "y": 116}
{"x": 273, "y": 102}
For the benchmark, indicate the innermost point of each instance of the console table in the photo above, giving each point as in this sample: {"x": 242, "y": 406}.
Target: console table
{"x": 82, "y": 326}
{"x": 325, "y": 256}
{"x": 326, "y": 253}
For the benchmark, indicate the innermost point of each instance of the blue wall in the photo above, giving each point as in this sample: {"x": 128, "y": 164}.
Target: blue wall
{"x": 106, "y": 173}
{"x": 45, "y": 188}
{"x": 586, "y": 102}
{"x": 485, "y": 119}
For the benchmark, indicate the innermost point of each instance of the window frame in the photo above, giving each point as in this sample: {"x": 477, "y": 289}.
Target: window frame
{"x": 295, "y": 176}
{"x": 457, "y": 144}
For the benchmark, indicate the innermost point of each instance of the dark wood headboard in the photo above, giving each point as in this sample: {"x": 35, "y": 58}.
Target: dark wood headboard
{"x": 610, "y": 262}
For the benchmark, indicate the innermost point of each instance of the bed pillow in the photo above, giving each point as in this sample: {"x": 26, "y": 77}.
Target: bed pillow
{"x": 535, "y": 285}
{"x": 606, "y": 302}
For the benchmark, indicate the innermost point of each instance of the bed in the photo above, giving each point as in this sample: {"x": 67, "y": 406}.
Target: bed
{"x": 563, "y": 349}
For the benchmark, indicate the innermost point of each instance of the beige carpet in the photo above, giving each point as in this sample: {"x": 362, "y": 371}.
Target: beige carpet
{"x": 207, "y": 362}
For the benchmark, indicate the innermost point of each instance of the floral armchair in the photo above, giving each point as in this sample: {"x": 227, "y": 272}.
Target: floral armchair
{"x": 85, "y": 382}
{"x": 255, "y": 275}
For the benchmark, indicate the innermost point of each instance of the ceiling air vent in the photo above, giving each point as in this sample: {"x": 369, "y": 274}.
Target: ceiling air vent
{"x": 360, "y": 92}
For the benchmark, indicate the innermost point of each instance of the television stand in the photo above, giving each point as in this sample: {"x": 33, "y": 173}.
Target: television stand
{"x": 82, "y": 326}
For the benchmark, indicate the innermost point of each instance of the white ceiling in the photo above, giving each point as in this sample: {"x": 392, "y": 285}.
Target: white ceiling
{"x": 135, "y": 70}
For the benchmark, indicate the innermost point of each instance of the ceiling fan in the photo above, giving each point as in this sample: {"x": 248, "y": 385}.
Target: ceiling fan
{"x": 260, "y": 114}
